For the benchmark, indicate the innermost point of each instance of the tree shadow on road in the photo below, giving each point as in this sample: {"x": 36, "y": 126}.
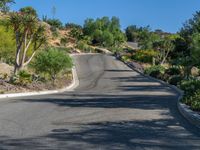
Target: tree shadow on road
{"x": 172, "y": 132}
{"x": 127, "y": 135}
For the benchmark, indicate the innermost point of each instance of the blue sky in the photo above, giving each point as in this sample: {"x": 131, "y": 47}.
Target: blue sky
{"x": 168, "y": 15}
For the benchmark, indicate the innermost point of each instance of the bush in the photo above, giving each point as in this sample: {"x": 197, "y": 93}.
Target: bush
{"x": 145, "y": 56}
{"x": 52, "y": 62}
{"x": 193, "y": 101}
{"x": 55, "y": 23}
{"x": 190, "y": 86}
{"x": 126, "y": 58}
{"x": 81, "y": 45}
{"x": 22, "y": 78}
{"x": 175, "y": 80}
{"x": 173, "y": 71}
{"x": 155, "y": 71}
{"x": 64, "y": 41}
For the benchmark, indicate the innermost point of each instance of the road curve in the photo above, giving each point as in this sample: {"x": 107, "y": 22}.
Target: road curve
{"x": 114, "y": 108}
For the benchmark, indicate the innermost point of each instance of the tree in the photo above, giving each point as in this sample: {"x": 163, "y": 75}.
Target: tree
{"x": 132, "y": 33}
{"x": 142, "y": 35}
{"x": 52, "y": 62}
{"x": 107, "y": 39}
{"x": 29, "y": 10}
{"x": 164, "y": 46}
{"x": 4, "y": 5}
{"x": 29, "y": 36}
{"x": 104, "y": 32}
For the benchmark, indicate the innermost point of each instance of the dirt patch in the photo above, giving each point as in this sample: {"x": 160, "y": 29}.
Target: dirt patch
{"x": 6, "y": 87}
{"x": 5, "y": 69}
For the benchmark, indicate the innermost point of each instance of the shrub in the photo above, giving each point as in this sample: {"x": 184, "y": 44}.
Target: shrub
{"x": 193, "y": 101}
{"x": 55, "y": 23}
{"x": 190, "y": 86}
{"x": 64, "y": 41}
{"x": 145, "y": 56}
{"x": 22, "y": 78}
{"x": 126, "y": 58}
{"x": 52, "y": 62}
{"x": 155, "y": 71}
{"x": 173, "y": 71}
{"x": 83, "y": 46}
{"x": 175, "y": 80}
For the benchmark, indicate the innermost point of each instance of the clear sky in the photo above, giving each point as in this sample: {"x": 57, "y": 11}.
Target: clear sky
{"x": 168, "y": 15}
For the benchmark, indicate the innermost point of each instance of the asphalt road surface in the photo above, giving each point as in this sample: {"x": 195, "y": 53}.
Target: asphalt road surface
{"x": 114, "y": 108}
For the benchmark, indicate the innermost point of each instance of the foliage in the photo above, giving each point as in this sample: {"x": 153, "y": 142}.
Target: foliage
{"x": 156, "y": 71}
{"x": 173, "y": 71}
{"x": 126, "y": 58}
{"x": 27, "y": 31}
{"x": 164, "y": 46}
{"x": 56, "y": 23}
{"x": 7, "y": 45}
{"x": 145, "y": 56}
{"x": 76, "y": 33}
{"x": 51, "y": 62}
{"x": 195, "y": 49}
{"x": 104, "y": 31}
{"x": 193, "y": 101}
{"x": 64, "y": 41}
{"x": 72, "y": 25}
{"x": 4, "y": 5}
{"x": 191, "y": 27}
{"x": 142, "y": 35}
{"x": 82, "y": 45}
{"x": 29, "y": 10}
{"x": 175, "y": 80}
{"x": 190, "y": 35}
{"x": 22, "y": 78}
{"x": 190, "y": 86}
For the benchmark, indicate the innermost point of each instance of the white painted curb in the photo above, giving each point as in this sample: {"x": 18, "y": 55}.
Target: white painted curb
{"x": 71, "y": 87}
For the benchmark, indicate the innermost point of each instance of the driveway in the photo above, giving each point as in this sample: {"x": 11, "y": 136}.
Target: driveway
{"x": 114, "y": 108}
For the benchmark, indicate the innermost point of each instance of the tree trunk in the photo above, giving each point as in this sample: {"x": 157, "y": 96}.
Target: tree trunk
{"x": 17, "y": 68}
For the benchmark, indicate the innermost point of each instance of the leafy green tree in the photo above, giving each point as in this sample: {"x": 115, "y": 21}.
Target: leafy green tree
{"x": 107, "y": 39}
{"x": 4, "y": 5}
{"x": 188, "y": 44}
{"x": 164, "y": 46}
{"x": 52, "y": 62}
{"x": 142, "y": 35}
{"x": 104, "y": 31}
{"x": 132, "y": 33}
{"x": 97, "y": 37}
{"x": 29, "y": 35}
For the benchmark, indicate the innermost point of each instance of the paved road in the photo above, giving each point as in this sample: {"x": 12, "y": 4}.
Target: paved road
{"x": 114, "y": 108}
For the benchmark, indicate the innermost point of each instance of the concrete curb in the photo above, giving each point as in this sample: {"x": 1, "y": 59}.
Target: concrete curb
{"x": 71, "y": 87}
{"x": 186, "y": 112}
{"x": 191, "y": 116}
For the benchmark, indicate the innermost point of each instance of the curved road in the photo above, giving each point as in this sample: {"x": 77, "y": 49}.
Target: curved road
{"x": 114, "y": 108}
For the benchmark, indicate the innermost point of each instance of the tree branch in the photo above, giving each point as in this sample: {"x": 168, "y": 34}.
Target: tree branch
{"x": 26, "y": 63}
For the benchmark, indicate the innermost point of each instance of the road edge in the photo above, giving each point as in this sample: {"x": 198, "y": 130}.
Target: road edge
{"x": 185, "y": 111}
{"x": 71, "y": 87}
